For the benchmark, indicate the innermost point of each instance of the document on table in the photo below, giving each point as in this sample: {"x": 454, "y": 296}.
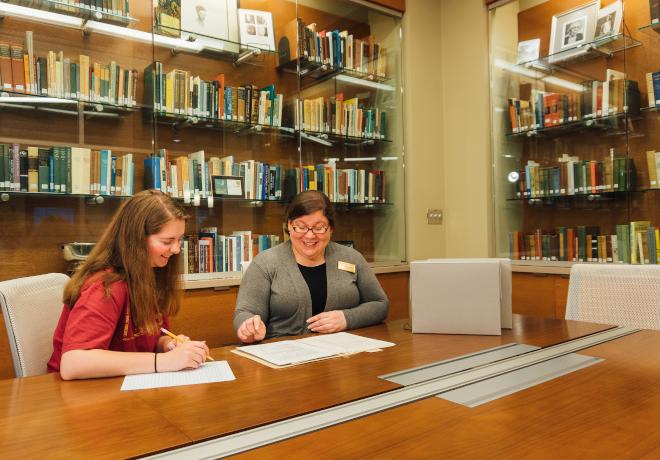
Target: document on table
{"x": 292, "y": 352}
{"x": 209, "y": 372}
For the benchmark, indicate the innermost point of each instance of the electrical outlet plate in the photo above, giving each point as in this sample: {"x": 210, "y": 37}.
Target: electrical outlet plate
{"x": 434, "y": 216}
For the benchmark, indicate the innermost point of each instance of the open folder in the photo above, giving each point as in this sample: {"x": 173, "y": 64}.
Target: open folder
{"x": 286, "y": 353}
{"x": 460, "y": 296}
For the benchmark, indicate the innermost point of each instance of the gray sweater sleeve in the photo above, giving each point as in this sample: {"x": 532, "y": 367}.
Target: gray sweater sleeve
{"x": 253, "y": 295}
{"x": 373, "y": 301}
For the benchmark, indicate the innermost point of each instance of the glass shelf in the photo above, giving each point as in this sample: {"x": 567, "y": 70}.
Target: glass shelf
{"x": 361, "y": 206}
{"x": 652, "y": 30}
{"x": 655, "y": 109}
{"x": 67, "y": 106}
{"x": 603, "y": 122}
{"x": 91, "y": 199}
{"x": 178, "y": 120}
{"x": 604, "y": 47}
{"x": 598, "y": 196}
{"x": 199, "y": 43}
{"x": 62, "y": 7}
{"x": 339, "y": 138}
{"x": 312, "y": 72}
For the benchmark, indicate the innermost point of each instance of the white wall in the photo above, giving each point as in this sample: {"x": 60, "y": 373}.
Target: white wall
{"x": 447, "y": 128}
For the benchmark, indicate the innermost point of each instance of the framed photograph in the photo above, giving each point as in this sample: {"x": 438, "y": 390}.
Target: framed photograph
{"x": 228, "y": 186}
{"x": 572, "y": 29}
{"x": 609, "y": 20}
{"x": 167, "y": 15}
{"x": 256, "y": 29}
{"x": 210, "y": 18}
{"x": 528, "y": 50}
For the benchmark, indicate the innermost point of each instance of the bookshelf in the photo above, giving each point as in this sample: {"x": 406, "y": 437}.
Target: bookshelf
{"x": 571, "y": 131}
{"x": 344, "y": 131}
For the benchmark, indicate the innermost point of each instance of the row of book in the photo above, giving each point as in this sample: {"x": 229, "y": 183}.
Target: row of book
{"x": 343, "y": 185}
{"x": 62, "y": 169}
{"x": 210, "y": 252}
{"x": 115, "y": 7}
{"x": 635, "y": 243}
{"x": 574, "y": 176}
{"x": 653, "y": 88}
{"x": 187, "y": 176}
{"x": 58, "y": 76}
{"x": 536, "y": 109}
{"x": 180, "y": 92}
{"x": 338, "y": 116}
{"x": 340, "y": 49}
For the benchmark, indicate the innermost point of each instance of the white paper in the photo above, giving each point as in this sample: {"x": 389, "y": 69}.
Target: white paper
{"x": 345, "y": 343}
{"x": 289, "y": 352}
{"x": 209, "y": 372}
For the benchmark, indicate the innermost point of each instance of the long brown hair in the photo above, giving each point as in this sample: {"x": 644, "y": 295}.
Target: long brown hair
{"x": 121, "y": 255}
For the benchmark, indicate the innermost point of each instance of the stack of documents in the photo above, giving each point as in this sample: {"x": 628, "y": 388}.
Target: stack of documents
{"x": 292, "y": 352}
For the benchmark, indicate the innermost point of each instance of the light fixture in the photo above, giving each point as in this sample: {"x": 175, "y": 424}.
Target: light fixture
{"x": 366, "y": 83}
{"x": 535, "y": 74}
{"x": 144, "y": 37}
{"x": 32, "y": 14}
{"x": 36, "y": 100}
{"x": 360, "y": 159}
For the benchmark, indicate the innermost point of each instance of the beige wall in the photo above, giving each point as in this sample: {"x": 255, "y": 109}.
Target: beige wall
{"x": 447, "y": 128}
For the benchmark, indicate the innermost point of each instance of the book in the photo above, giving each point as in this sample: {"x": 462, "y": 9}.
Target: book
{"x": 287, "y": 353}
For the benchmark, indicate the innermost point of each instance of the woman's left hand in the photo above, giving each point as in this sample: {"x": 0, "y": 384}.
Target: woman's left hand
{"x": 327, "y": 322}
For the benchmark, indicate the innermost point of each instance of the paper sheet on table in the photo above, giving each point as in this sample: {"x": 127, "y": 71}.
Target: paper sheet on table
{"x": 209, "y": 372}
{"x": 292, "y": 352}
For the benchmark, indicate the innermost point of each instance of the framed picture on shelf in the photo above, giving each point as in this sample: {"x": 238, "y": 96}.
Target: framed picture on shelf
{"x": 210, "y": 18}
{"x": 571, "y": 30}
{"x": 528, "y": 50}
{"x": 228, "y": 186}
{"x": 609, "y": 20}
{"x": 167, "y": 16}
{"x": 256, "y": 29}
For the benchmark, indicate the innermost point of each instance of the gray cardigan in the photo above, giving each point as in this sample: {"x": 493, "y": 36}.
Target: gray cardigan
{"x": 273, "y": 288}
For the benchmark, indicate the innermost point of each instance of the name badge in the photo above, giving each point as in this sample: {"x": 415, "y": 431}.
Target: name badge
{"x": 346, "y": 266}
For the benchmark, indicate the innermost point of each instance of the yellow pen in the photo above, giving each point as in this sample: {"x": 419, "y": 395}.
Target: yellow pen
{"x": 178, "y": 339}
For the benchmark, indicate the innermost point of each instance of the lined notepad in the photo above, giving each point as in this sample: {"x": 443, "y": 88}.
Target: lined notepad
{"x": 209, "y": 372}
{"x": 291, "y": 352}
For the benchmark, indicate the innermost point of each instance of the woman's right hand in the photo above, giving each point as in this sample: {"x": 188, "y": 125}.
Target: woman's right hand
{"x": 187, "y": 355}
{"x": 252, "y": 330}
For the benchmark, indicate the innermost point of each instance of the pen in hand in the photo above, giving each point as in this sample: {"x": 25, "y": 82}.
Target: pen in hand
{"x": 178, "y": 339}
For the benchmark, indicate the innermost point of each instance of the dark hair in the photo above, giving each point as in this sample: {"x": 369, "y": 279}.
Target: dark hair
{"x": 308, "y": 202}
{"x": 123, "y": 250}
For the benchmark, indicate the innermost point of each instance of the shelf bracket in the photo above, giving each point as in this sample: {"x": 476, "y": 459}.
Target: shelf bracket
{"x": 96, "y": 199}
{"x": 317, "y": 139}
{"x": 245, "y": 55}
{"x": 597, "y": 50}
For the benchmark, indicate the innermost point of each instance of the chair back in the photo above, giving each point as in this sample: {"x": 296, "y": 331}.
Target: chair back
{"x": 31, "y": 307}
{"x": 617, "y": 294}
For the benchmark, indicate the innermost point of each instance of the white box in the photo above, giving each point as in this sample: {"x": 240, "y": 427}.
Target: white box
{"x": 460, "y": 296}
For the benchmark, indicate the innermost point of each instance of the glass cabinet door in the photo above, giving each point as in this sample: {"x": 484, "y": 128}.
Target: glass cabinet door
{"x": 571, "y": 133}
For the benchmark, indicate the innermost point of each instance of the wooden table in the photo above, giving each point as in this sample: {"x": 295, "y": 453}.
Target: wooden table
{"x": 609, "y": 410}
{"x": 45, "y": 416}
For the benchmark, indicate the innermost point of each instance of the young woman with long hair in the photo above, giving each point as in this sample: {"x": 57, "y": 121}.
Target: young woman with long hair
{"x": 125, "y": 291}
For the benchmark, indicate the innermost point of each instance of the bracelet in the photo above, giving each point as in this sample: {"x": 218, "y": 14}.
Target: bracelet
{"x": 155, "y": 362}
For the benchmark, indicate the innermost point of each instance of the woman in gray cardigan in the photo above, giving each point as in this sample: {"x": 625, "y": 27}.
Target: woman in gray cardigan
{"x": 308, "y": 283}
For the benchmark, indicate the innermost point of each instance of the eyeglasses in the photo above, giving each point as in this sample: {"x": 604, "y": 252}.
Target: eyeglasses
{"x": 319, "y": 230}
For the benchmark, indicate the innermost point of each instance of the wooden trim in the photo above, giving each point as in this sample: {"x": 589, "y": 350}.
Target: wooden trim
{"x": 398, "y": 5}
